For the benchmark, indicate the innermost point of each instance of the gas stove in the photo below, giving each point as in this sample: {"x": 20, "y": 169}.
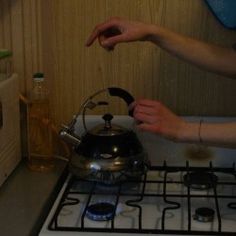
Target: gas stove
{"x": 188, "y": 190}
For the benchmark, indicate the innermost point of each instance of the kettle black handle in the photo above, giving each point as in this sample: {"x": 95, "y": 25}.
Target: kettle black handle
{"x": 126, "y": 96}
{"x": 88, "y": 103}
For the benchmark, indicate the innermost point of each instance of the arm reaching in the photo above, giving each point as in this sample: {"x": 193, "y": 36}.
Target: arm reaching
{"x": 153, "y": 116}
{"x": 221, "y": 60}
{"x": 214, "y": 58}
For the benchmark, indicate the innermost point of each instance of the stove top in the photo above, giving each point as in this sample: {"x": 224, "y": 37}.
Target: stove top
{"x": 159, "y": 203}
{"x": 189, "y": 190}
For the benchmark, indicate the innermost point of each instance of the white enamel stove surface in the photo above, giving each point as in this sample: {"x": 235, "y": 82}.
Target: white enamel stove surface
{"x": 127, "y": 217}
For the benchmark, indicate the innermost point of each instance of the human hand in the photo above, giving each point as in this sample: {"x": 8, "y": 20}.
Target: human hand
{"x": 117, "y": 30}
{"x": 153, "y": 116}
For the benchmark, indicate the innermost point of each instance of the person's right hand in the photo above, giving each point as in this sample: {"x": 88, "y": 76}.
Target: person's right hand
{"x": 117, "y": 30}
{"x": 155, "y": 117}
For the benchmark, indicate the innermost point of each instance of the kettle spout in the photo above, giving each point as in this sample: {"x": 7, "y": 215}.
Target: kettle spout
{"x": 69, "y": 137}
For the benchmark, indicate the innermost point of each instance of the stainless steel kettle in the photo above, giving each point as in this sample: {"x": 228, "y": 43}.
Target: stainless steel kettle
{"x": 107, "y": 153}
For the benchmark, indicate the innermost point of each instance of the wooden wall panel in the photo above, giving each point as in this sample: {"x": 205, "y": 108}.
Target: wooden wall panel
{"x": 143, "y": 69}
{"x": 20, "y": 25}
{"x": 5, "y": 27}
{"x": 17, "y": 30}
{"x": 50, "y": 36}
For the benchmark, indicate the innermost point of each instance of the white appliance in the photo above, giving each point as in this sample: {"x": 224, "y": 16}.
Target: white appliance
{"x": 10, "y": 153}
{"x": 189, "y": 190}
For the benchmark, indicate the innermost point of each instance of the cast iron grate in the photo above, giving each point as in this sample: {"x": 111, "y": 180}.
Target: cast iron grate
{"x": 168, "y": 198}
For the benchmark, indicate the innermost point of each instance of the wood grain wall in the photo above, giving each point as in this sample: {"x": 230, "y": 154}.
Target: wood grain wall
{"x": 49, "y": 36}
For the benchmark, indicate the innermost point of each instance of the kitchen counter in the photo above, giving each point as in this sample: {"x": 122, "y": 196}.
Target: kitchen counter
{"x": 26, "y": 197}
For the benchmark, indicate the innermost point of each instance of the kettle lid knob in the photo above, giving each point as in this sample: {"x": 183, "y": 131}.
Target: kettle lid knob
{"x": 107, "y": 118}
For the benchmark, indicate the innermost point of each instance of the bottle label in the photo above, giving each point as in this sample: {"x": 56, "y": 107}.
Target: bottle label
{"x": 39, "y": 79}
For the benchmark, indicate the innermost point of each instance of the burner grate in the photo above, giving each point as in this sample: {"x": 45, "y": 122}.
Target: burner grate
{"x": 136, "y": 197}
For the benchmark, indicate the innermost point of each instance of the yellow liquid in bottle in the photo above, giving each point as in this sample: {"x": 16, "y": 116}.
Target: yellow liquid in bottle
{"x": 40, "y": 136}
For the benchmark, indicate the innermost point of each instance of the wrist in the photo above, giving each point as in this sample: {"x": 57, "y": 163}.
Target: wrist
{"x": 152, "y": 33}
{"x": 155, "y": 34}
{"x": 190, "y": 132}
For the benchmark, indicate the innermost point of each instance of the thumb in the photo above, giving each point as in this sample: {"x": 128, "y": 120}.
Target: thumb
{"x": 112, "y": 41}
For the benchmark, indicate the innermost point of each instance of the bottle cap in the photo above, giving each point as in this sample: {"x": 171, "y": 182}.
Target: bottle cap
{"x": 38, "y": 76}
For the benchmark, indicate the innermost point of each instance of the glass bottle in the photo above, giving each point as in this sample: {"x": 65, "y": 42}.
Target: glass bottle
{"x": 40, "y": 146}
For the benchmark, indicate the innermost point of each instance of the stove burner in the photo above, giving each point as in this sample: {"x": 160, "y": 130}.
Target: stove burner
{"x": 204, "y": 214}
{"x": 200, "y": 180}
{"x": 101, "y": 211}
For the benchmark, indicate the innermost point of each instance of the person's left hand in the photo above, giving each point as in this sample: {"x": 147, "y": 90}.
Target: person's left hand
{"x": 154, "y": 117}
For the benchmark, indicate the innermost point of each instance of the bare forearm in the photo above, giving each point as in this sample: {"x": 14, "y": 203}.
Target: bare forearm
{"x": 153, "y": 116}
{"x": 210, "y": 57}
{"x": 215, "y": 134}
